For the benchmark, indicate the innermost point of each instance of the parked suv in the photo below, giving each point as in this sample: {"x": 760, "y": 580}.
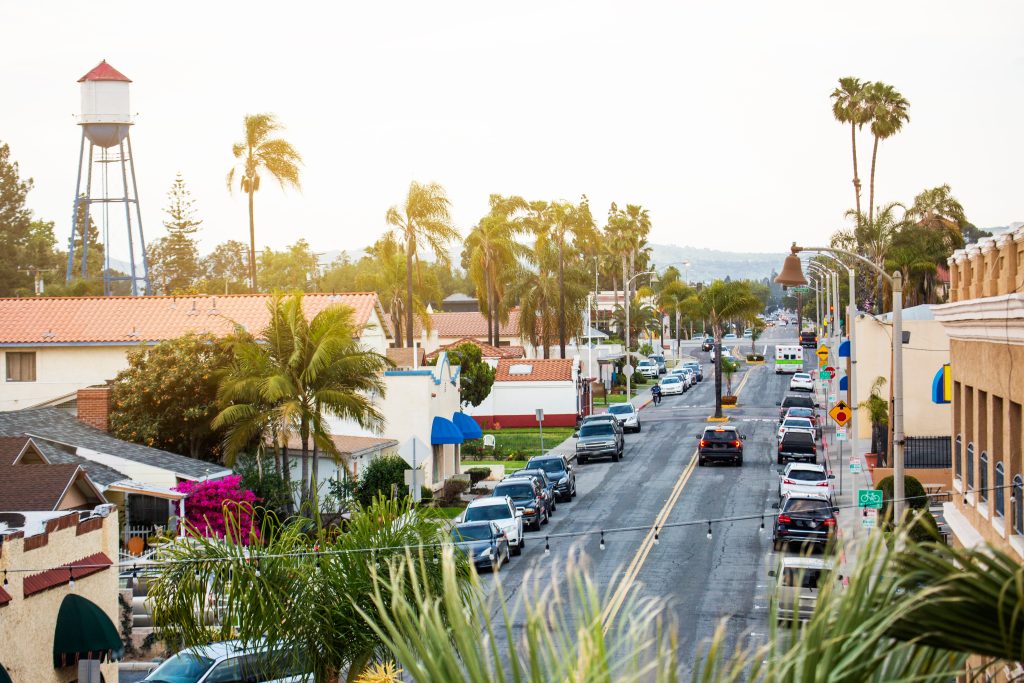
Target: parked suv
{"x": 660, "y": 360}
{"x": 797, "y": 401}
{"x": 804, "y": 518}
{"x": 528, "y": 497}
{"x": 603, "y": 417}
{"x": 550, "y": 497}
{"x": 559, "y": 471}
{"x": 627, "y": 416}
{"x": 800, "y": 580}
{"x": 502, "y": 511}
{"x": 598, "y": 438}
{"x": 648, "y": 368}
{"x": 697, "y": 369}
{"x": 797, "y": 445}
{"x": 720, "y": 443}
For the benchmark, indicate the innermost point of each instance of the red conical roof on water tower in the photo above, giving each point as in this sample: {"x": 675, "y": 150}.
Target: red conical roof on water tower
{"x": 104, "y": 72}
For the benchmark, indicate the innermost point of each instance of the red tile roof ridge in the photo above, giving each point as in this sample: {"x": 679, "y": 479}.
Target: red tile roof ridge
{"x": 150, "y": 297}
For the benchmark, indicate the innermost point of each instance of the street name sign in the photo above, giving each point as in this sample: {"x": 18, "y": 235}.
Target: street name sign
{"x": 869, "y": 498}
{"x": 840, "y": 413}
{"x": 823, "y": 374}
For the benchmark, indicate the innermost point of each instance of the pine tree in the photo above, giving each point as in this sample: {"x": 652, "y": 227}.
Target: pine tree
{"x": 174, "y": 260}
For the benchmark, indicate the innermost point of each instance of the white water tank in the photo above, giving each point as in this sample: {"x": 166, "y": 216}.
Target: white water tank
{"x": 106, "y": 114}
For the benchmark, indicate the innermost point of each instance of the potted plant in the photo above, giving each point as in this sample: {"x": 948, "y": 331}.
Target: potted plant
{"x": 729, "y": 368}
{"x": 878, "y": 413}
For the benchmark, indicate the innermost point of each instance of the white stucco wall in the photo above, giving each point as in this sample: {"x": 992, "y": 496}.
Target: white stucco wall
{"x": 61, "y": 370}
{"x": 523, "y": 398}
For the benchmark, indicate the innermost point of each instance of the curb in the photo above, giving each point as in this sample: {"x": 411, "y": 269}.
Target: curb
{"x": 718, "y": 419}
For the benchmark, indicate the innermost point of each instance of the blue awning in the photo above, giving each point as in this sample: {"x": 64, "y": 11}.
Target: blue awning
{"x": 843, "y": 384}
{"x": 468, "y": 426}
{"x": 942, "y": 386}
{"x": 444, "y": 431}
{"x": 844, "y": 349}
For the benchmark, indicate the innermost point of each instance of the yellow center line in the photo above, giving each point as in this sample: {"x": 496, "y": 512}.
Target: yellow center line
{"x": 628, "y": 579}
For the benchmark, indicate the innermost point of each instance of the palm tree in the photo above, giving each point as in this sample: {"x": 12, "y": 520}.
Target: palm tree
{"x": 719, "y": 302}
{"x": 388, "y": 279}
{"x": 423, "y": 219}
{"x": 642, "y": 318}
{"x": 849, "y": 106}
{"x": 571, "y": 224}
{"x": 308, "y": 370}
{"x": 874, "y": 236}
{"x": 678, "y": 300}
{"x": 888, "y": 114}
{"x": 492, "y": 256}
{"x": 257, "y": 153}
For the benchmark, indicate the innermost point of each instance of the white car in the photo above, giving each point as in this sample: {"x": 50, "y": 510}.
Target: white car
{"x": 730, "y": 338}
{"x": 801, "y": 478}
{"x": 627, "y": 416}
{"x": 647, "y": 368}
{"x": 501, "y": 511}
{"x": 801, "y": 381}
{"x": 671, "y": 385}
{"x": 685, "y": 374}
{"x": 231, "y": 660}
{"x": 797, "y": 424}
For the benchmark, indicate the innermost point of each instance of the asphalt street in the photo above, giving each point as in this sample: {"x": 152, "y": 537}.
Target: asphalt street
{"x": 704, "y": 581}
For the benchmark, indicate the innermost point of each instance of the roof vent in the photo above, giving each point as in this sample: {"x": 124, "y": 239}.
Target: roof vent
{"x": 193, "y": 311}
{"x": 49, "y": 334}
{"x": 134, "y": 332}
{"x": 520, "y": 369}
{"x": 213, "y": 309}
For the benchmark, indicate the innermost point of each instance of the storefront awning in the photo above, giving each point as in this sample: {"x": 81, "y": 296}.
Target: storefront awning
{"x": 844, "y": 349}
{"x": 467, "y": 425}
{"x": 141, "y": 489}
{"x": 443, "y": 431}
{"x": 942, "y": 386}
{"x": 844, "y": 383}
{"x": 83, "y": 631}
{"x": 4, "y": 676}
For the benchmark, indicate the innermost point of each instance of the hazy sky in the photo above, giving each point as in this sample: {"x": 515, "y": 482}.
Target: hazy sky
{"x": 714, "y": 115}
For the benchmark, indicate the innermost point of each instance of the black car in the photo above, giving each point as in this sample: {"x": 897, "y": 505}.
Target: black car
{"x": 528, "y": 497}
{"x": 559, "y": 471}
{"x": 603, "y": 417}
{"x": 483, "y": 542}
{"x": 599, "y": 438}
{"x": 799, "y": 446}
{"x": 797, "y": 401}
{"x": 697, "y": 369}
{"x": 720, "y": 443}
{"x": 808, "y": 340}
{"x": 550, "y": 496}
{"x": 707, "y": 344}
{"x": 804, "y": 519}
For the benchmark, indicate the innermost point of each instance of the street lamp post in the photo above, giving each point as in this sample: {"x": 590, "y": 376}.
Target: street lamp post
{"x": 792, "y": 275}
{"x": 629, "y": 375}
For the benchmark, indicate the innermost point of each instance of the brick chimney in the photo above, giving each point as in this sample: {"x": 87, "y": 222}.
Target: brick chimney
{"x": 94, "y": 406}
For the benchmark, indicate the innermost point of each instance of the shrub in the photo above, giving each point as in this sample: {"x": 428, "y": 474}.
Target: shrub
{"x": 924, "y": 527}
{"x": 378, "y": 478}
{"x": 451, "y": 490}
{"x": 754, "y": 357}
{"x": 426, "y": 493}
{"x": 206, "y": 502}
{"x": 478, "y": 474}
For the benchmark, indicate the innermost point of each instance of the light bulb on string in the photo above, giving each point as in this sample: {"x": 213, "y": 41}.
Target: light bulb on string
{"x": 5, "y": 578}
{"x": 602, "y": 540}
{"x": 656, "y": 532}
{"x": 547, "y": 546}
{"x": 761, "y": 530}
{"x": 709, "y": 531}
{"x": 71, "y": 578}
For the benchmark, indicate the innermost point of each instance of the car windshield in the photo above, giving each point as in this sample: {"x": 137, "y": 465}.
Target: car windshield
{"x": 184, "y": 667}
{"x": 808, "y": 506}
{"x": 800, "y": 412}
{"x": 487, "y": 513}
{"x": 670, "y": 380}
{"x": 720, "y": 435}
{"x": 472, "y": 532}
{"x": 798, "y": 401}
{"x": 806, "y": 475}
{"x": 550, "y": 465}
{"x": 659, "y": 359}
{"x": 597, "y": 429}
{"x": 621, "y": 409}
{"x": 801, "y": 375}
{"x": 692, "y": 366}
{"x": 797, "y": 422}
{"x": 514, "y": 490}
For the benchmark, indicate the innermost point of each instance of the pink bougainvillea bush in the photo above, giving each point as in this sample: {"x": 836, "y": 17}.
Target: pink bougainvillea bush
{"x": 207, "y": 503}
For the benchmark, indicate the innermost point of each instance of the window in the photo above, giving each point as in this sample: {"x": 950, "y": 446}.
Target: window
{"x": 958, "y": 456}
{"x": 1000, "y": 493}
{"x": 1017, "y": 502}
{"x": 983, "y": 476}
{"x": 21, "y": 366}
{"x": 970, "y": 466}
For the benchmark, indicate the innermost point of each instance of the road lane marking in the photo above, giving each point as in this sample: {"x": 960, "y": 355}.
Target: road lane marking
{"x": 626, "y": 583}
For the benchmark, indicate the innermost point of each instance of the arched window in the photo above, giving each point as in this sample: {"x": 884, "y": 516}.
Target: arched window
{"x": 983, "y": 476}
{"x": 958, "y": 446}
{"x": 1000, "y": 493}
{"x": 970, "y": 466}
{"x": 1017, "y": 503}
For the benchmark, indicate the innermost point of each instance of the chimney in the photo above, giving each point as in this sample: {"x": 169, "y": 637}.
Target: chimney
{"x": 94, "y": 406}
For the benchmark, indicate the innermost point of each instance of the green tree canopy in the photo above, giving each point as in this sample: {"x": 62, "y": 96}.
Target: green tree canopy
{"x": 476, "y": 377}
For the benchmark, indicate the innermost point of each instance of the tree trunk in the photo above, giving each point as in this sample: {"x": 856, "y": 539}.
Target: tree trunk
{"x": 408, "y": 293}
{"x": 286, "y": 468}
{"x": 252, "y": 241}
{"x": 718, "y": 369}
{"x": 679, "y": 337}
{"x": 871, "y": 193}
{"x": 625, "y": 296}
{"x": 856, "y": 179}
{"x": 314, "y": 482}
{"x": 304, "y": 435}
{"x": 561, "y": 298}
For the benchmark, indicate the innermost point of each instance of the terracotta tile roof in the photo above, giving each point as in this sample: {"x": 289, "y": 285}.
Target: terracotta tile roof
{"x": 402, "y": 358}
{"x": 487, "y": 351}
{"x": 554, "y": 369}
{"x": 35, "y": 488}
{"x": 467, "y": 324}
{"x": 5, "y": 597}
{"x": 104, "y": 72}
{"x": 51, "y": 578}
{"x": 348, "y": 445}
{"x": 130, "y": 320}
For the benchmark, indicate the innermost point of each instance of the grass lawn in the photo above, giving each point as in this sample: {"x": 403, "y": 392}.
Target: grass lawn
{"x": 509, "y": 464}
{"x": 448, "y": 513}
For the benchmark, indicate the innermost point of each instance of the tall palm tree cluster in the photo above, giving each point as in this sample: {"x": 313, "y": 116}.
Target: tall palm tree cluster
{"x": 914, "y": 240}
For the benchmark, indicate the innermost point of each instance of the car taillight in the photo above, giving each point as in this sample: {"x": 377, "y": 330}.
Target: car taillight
{"x": 735, "y": 444}
{"x": 788, "y": 481}
{"x": 831, "y": 521}
{"x": 785, "y": 519}
{"x": 822, "y": 483}
{"x": 703, "y": 443}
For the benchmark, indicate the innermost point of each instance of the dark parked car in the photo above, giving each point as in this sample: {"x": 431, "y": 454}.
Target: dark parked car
{"x": 720, "y": 443}
{"x": 559, "y": 471}
{"x": 797, "y": 445}
{"x": 484, "y": 543}
{"x": 528, "y": 497}
{"x": 550, "y": 497}
{"x": 707, "y": 344}
{"x": 808, "y": 340}
{"x": 599, "y": 438}
{"x": 804, "y": 519}
{"x": 797, "y": 401}
{"x": 697, "y": 369}
{"x": 610, "y": 418}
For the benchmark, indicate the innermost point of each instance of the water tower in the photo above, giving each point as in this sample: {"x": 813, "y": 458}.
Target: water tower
{"x": 108, "y": 171}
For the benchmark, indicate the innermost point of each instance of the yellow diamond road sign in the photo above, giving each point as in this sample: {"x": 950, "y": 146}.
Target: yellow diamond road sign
{"x": 822, "y": 352}
{"x": 840, "y": 413}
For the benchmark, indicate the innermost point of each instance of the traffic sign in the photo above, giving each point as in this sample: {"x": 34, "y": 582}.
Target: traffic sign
{"x": 855, "y": 466}
{"x": 869, "y": 498}
{"x": 627, "y": 370}
{"x": 823, "y": 374}
{"x": 822, "y": 352}
{"x": 831, "y": 372}
{"x": 831, "y": 398}
{"x": 869, "y": 518}
{"x": 841, "y": 413}
{"x": 840, "y": 433}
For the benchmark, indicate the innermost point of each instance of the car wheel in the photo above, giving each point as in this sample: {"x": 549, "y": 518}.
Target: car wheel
{"x": 518, "y": 550}
{"x": 780, "y": 460}
{"x": 739, "y": 461}
{"x": 637, "y": 427}
{"x": 554, "y": 504}
{"x": 700, "y": 462}
{"x": 615, "y": 456}
{"x": 582, "y": 459}
{"x": 573, "y": 490}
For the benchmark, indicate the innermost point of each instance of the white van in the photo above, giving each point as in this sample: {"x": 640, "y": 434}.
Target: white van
{"x": 231, "y": 660}
{"x": 789, "y": 359}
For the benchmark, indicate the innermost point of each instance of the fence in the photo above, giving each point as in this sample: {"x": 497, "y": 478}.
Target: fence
{"x": 927, "y": 452}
